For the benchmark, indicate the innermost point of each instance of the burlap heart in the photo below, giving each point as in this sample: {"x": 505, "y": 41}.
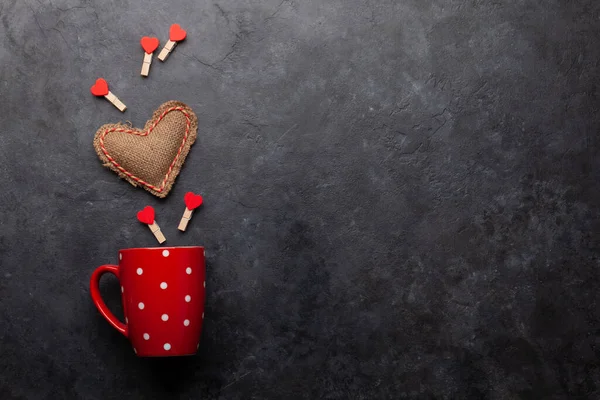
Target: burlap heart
{"x": 152, "y": 157}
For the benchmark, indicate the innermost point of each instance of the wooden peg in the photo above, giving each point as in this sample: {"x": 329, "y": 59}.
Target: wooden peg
{"x": 187, "y": 215}
{"x": 176, "y": 34}
{"x": 157, "y": 233}
{"x": 149, "y": 44}
{"x": 192, "y": 201}
{"x": 115, "y": 101}
{"x": 146, "y": 64}
{"x": 164, "y": 53}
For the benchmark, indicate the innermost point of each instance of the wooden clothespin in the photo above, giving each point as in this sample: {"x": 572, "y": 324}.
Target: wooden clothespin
{"x": 146, "y": 216}
{"x": 100, "y": 89}
{"x": 149, "y": 44}
{"x": 192, "y": 201}
{"x": 176, "y": 34}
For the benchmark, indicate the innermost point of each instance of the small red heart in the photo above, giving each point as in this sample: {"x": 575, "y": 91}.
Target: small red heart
{"x": 176, "y": 34}
{"x": 149, "y": 44}
{"x": 146, "y": 216}
{"x": 100, "y": 88}
{"x": 192, "y": 200}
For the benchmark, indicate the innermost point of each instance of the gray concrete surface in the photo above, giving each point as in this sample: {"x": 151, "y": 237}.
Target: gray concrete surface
{"x": 401, "y": 197}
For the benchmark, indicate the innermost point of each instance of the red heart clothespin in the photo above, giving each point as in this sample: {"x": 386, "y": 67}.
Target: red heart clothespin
{"x": 149, "y": 44}
{"x": 146, "y": 216}
{"x": 100, "y": 89}
{"x": 192, "y": 201}
{"x": 176, "y": 34}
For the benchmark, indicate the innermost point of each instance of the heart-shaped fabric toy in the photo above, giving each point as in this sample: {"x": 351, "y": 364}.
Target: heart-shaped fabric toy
{"x": 176, "y": 34}
{"x": 100, "y": 88}
{"x": 146, "y": 216}
{"x": 192, "y": 201}
{"x": 151, "y": 157}
{"x": 149, "y": 44}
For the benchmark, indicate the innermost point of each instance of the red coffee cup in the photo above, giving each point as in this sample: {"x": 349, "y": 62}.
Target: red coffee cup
{"x": 163, "y": 291}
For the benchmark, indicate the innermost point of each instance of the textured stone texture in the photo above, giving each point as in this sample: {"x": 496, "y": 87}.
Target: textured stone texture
{"x": 401, "y": 197}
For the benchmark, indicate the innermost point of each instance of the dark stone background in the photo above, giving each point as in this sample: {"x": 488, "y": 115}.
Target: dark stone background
{"x": 401, "y": 197}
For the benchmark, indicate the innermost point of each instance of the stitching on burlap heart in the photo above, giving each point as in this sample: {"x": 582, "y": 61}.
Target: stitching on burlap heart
{"x": 177, "y": 163}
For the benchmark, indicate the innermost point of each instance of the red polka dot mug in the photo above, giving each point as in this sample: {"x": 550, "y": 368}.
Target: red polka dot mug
{"x": 163, "y": 291}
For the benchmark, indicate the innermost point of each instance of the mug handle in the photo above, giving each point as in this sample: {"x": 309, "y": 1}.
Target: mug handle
{"x": 97, "y": 298}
